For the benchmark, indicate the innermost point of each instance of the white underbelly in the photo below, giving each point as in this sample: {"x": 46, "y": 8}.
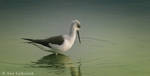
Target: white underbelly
{"x": 64, "y": 47}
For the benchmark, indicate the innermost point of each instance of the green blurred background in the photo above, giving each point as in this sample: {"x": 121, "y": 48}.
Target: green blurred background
{"x": 114, "y": 33}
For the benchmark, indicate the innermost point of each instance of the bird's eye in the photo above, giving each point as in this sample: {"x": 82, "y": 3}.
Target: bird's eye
{"x": 78, "y": 26}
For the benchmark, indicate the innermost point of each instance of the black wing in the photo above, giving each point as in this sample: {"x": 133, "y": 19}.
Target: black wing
{"x": 55, "y": 40}
{"x": 58, "y": 40}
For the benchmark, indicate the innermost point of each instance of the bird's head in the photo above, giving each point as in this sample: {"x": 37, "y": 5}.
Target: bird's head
{"x": 76, "y": 26}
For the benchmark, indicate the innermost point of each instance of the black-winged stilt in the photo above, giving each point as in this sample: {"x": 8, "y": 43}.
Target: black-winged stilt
{"x": 60, "y": 43}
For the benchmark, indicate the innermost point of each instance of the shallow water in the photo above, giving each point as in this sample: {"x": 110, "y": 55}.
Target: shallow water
{"x": 111, "y": 54}
{"x": 115, "y": 39}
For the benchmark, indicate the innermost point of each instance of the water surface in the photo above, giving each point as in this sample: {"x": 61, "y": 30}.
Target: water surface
{"x": 114, "y": 34}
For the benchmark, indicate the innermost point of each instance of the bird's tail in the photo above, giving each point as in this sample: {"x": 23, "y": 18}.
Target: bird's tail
{"x": 30, "y": 40}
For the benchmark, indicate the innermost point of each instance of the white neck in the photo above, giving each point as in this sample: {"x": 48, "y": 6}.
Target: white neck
{"x": 72, "y": 33}
{"x": 70, "y": 38}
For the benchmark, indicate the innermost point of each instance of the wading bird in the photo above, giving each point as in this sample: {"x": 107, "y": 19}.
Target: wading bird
{"x": 60, "y": 43}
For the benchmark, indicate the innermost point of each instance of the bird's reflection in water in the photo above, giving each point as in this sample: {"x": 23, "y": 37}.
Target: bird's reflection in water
{"x": 59, "y": 62}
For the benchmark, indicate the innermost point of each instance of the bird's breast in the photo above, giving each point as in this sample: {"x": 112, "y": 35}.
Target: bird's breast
{"x": 67, "y": 45}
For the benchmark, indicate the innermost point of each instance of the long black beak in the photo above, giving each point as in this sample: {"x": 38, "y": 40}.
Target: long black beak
{"x": 79, "y": 37}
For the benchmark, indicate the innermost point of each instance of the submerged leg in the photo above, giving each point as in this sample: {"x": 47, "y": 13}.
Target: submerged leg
{"x": 56, "y": 54}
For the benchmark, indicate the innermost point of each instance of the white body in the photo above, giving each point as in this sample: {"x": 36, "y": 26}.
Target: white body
{"x": 69, "y": 39}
